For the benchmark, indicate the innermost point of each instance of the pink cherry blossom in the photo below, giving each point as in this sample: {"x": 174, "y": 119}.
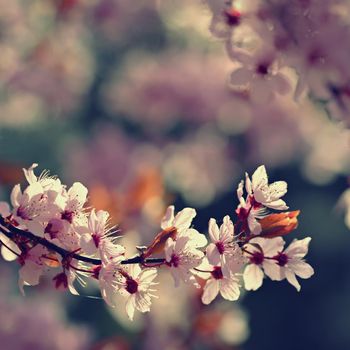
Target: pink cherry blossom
{"x": 291, "y": 262}
{"x": 33, "y": 267}
{"x": 181, "y": 257}
{"x": 228, "y": 287}
{"x": 260, "y": 252}
{"x": 217, "y": 282}
{"x": 50, "y": 228}
{"x": 72, "y": 202}
{"x": 262, "y": 76}
{"x": 98, "y": 230}
{"x": 109, "y": 277}
{"x": 137, "y": 286}
{"x": 224, "y": 250}
{"x": 182, "y": 222}
{"x": 265, "y": 194}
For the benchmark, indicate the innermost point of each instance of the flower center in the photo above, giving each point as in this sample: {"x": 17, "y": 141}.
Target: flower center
{"x": 175, "y": 260}
{"x": 262, "y": 69}
{"x": 232, "y": 17}
{"x": 96, "y": 239}
{"x": 131, "y": 286}
{"x": 257, "y": 258}
{"x": 67, "y": 215}
{"x": 254, "y": 203}
{"x": 282, "y": 259}
{"x": 22, "y": 213}
{"x": 96, "y": 271}
{"x": 217, "y": 273}
{"x": 220, "y": 246}
{"x": 53, "y": 228}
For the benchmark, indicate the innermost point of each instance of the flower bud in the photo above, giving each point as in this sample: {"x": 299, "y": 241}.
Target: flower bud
{"x": 279, "y": 224}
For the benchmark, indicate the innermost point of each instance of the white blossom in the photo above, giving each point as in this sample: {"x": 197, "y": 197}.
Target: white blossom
{"x": 98, "y": 230}
{"x": 109, "y": 277}
{"x": 79, "y": 242}
{"x": 137, "y": 286}
{"x": 182, "y": 223}
{"x": 71, "y": 202}
{"x": 33, "y": 266}
{"x": 259, "y": 251}
{"x": 182, "y": 257}
{"x": 291, "y": 262}
{"x": 223, "y": 250}
{"x": 227, "y": 286}
{"x": 265, "y": 194}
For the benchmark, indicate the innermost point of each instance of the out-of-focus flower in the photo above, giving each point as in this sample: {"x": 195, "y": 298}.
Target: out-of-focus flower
{"x": 233, "y": 328}
{"x": 47, "y": 64}
{"x": 40, "y": 325}
{"x": 170, "y": 88}
{"x": 262, "y": 77}
{"x": 344, "y": 204}
{"x": 327, "y": 153}
{"x": 299, "y": 35}
{"x": 188, "y": 166}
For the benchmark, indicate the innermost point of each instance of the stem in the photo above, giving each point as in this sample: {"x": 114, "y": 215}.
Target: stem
{"x": 153, "y": 264}
{"x": 199, "y": 270}
{"x": 14, "y": 231}
{"x": 247, "y": 251}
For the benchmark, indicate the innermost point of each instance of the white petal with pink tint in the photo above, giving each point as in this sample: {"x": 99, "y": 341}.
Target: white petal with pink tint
{"x": 253, "y": 277}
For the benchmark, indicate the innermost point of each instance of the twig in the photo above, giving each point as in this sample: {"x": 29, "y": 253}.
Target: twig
{"x": 13, "y": 231}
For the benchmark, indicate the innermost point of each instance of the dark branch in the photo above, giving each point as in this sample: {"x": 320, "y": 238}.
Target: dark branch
{"x": 13, "y": 231}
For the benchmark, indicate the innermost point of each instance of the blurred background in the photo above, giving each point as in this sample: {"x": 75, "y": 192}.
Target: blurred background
{"x": 132, "y": 99}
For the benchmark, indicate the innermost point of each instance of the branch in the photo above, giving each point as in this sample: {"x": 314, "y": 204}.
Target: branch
{"x": 13, "y": 231}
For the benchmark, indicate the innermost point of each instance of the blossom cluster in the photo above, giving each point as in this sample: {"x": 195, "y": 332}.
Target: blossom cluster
{"x": 50, "y": 229}
{"x": 271, "y": 39}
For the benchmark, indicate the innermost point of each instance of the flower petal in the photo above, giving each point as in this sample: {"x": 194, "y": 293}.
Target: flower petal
{"x": 214, "y": 232}
{"x": 229, "y": 289}
{"x": 253, "y": 277}
{"x": 168, "y": 218}
{"x": 298, "y": 248}
{"x": 259, "y": 178}
{"x": 213, "y": 254}
{"x": 292, "y": 279}
{"x": 211, "y": 290}
{"x": 183, "y": 218}
{"x": 273, "y": 270}
{"x": 241, "y": 76}
{"x": 130, "y": 307}
{"x": 302, "y": 269}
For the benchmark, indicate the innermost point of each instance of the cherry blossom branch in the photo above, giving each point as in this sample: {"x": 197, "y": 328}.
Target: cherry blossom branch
{"x": 254, "y": 243}
{"x": 11, "y": 232}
